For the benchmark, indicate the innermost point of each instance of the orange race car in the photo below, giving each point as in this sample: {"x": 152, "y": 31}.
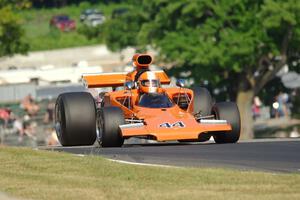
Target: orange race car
{"x": 143, "y": 108}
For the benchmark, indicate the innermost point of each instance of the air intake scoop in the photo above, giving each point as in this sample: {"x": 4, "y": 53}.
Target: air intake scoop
{"x": 142, "y": 60}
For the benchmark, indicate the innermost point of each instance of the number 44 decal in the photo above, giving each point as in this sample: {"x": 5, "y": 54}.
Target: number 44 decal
{"x": 168, "y": 125}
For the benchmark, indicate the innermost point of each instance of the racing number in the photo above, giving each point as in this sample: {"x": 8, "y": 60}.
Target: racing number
{"x": 168, "y": 125}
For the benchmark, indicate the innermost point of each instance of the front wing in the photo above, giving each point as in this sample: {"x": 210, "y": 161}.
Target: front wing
{"x": 166, "y": 133}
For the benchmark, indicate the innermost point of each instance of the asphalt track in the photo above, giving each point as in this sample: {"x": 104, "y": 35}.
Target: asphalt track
{"x": 261, "y": 155}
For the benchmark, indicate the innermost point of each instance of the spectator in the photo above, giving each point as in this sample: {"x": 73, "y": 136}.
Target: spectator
{"x": 49, "y": 115}
{"x": 5, "y": 115}
{"x": 282, "y": 100}
{"x": 28, "y": 128}
{"x": 256, "y": 107}
{"x": 17, "y": 126}
{"x": 52, "y": 139}
{"x": 29, "y": 105}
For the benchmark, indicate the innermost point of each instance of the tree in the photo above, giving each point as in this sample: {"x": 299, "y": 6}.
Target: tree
{"x": 122, "y": 31}
{"x": 240, "y": 44}
{"x": 11, "y": 33}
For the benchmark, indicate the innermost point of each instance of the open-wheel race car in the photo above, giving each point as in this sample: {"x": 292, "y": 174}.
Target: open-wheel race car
{"x": 143, "y": 108}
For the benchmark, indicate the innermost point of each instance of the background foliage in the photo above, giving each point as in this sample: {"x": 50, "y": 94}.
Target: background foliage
{"x": 212, "y": 39}
{"x": 11, "y": 33}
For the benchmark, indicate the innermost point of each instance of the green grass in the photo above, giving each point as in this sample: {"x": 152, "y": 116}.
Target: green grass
{"x": 34, "y": 174}
{"x": 40, "y": 36}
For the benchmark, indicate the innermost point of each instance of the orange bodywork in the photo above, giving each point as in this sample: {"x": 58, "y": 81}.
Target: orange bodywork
{"x": 155, "y": 117}
{"x": 162, "y": 124}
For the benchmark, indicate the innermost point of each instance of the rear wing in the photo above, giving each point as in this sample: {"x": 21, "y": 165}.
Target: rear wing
{"x": 104, "y": 80}
{"x": 115, "y": 79}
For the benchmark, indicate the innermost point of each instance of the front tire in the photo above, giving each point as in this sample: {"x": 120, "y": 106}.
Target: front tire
{"x": 75, "y": 119}
{"x": 230, "y": 112}
{"x": 108, "y": 121}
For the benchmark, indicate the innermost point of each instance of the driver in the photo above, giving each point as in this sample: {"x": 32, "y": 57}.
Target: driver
{"x": 151, "y": 93}
{"x": 148, "y": 82}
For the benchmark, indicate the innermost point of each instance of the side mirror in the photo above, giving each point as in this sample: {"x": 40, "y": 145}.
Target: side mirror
{"x": 180, "y": 83}
{"x": 129, "y": 85}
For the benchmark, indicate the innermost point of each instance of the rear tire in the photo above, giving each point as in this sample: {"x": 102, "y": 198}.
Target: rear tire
{"x": 202, "y": 101}
{"x": 202, "y": 105}
{"x": 75, "y": 119}
{"x": 108, "y": 121}
{"x": 230, "y": 112}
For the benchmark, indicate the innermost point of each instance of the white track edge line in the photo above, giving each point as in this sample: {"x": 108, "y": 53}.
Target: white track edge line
{"x": 142, "y": 164}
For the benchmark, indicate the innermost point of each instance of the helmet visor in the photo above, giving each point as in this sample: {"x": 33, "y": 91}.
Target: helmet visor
{"x": 150, "y": 83}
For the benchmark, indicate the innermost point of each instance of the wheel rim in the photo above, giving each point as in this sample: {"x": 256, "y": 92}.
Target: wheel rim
{"x": 58, "y": 121}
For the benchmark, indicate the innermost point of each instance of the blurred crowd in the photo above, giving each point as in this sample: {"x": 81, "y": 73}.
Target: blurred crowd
{"x": 283, "y": 108}
{"x": 31, "y": 124}
{"x": 280, "y": 107}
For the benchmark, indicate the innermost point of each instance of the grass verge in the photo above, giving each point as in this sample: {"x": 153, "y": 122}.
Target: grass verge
{"x": 32, "y": 174}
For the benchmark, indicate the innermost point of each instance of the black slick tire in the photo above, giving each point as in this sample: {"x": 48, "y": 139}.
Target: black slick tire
{"x": 75, "y": 119}
{"x": 202, "y": 105}
{"x": 230, "y": 112}
{"x": 202, "y": 101}
{"x": 108, "y": 121}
